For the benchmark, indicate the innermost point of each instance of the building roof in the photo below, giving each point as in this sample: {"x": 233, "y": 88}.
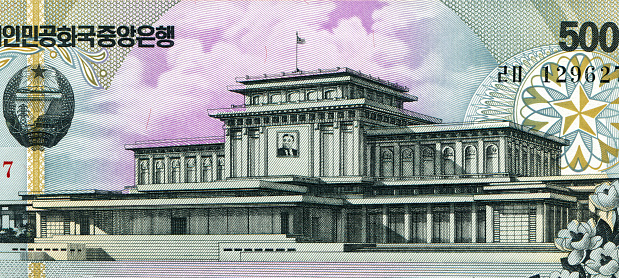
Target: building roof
{"x": 431, "y": 128}
{"x": 304, "y": 74}
{"x": 213, "y": 140}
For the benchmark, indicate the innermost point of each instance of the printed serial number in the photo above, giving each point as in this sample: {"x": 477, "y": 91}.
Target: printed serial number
{"x": 559, "y": 74}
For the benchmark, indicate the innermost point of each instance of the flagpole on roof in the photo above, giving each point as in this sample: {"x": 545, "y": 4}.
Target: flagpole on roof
{"x": 296, "y": 51}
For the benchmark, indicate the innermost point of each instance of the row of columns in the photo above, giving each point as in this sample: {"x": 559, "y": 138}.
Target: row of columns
{"x": 183, "y": 167}
{"x": 459, "y": 147}
{"x": 540, "y": 228}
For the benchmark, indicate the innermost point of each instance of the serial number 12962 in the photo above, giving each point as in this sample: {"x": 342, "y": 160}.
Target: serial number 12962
{"x": 561, "y": 74}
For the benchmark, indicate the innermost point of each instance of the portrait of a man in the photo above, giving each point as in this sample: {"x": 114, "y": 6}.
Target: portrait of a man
{"x": 288, "y": 145}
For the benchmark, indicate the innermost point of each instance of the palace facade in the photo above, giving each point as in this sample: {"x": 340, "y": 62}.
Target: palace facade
{"x": 327, "y": 156}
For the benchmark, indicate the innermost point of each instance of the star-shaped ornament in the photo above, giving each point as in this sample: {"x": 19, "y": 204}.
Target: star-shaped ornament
{"x": 38, "y": 71}
{"x": 579, "y": 112}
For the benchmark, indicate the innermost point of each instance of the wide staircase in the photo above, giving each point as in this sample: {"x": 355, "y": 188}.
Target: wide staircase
{"x": 158, "y": 247}
{"x": 462, "y": 247}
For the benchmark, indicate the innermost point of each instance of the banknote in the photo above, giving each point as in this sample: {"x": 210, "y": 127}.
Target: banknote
{"x": 305, "y": 138}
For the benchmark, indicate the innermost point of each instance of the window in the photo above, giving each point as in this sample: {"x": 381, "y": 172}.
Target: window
{"x": 408, "y": 164}
{"x": 440, "y": 224}
{"x": 387, "y": 163}
{"x": 448, "y": 161}
{"x": 492, "y": 153}
{"x": 312, "y": 95}
{"x": 178, "y": 225}
{"x": 328, "y": 94}
{"x": 255, "y": 100}
{"x": 470, "y": 160}
{"x": 419, "y": 222}
{"x": 463, "y": 221}
{"x": 207, "y": 169}
{"x": 176, "y": 171}
{"x": 159, "y": 171}
{"x": 276, "y": 98}
{"x": 190, "y": 169}
{"x": 143, "y": 176}
{"x": 513, "y": 222}
{"x": 428, "y": 161}
{"x": 481, "y": 223}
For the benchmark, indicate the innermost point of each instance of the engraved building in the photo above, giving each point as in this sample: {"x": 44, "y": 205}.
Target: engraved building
{"x": 327, "y": 156}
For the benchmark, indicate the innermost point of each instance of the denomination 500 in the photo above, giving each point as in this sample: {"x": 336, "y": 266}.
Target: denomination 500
{"x": 598, "y": 36}
{"x": 559, "y": 74}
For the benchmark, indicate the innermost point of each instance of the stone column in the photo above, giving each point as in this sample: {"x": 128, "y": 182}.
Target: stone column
{"x": 38, "y": 224}
{"x": 540, "y": 223}
{"x": 244, "y": 153}
{"x": 481, "y": 158}
{"x": 364, "y": 224}
{"x": 337, "y": 138}
{"x": 72, "y": 217}
{"x": 407, "y": 223}
{"x": 452, "y": 223}
{"x": 341, "y": 235}
{"x": 358, "y": 150}
{"x": 438, "y": 159}
{"x": 397, "y": 161}
{"x": 183, "y": 168}
{"x": 264, "y": 136}
{"x": 91, "y": 224}
{"x": 418, "y": 160}
{"x": 458, "y": 153}
{"x": 489, "y": 224}
{"x": 429, "y": 223}
{"x": 385, "y": 218}
{"x": 502, "y": 154}
{"x": 377, "y": 161}
{"x": 214, "y": 165}
{"x": 166, "y": 169}
{"x": 227, "y": 154}
{"x": 317, "y": 151}
{"x": 199, "y": 169}
{"x": 137, "y": 171}
{"x": 150, "y": 169}
{"x": 474, "y": 222}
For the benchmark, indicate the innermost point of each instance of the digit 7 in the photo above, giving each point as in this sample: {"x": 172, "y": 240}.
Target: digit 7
{"x": 10, "y": 163}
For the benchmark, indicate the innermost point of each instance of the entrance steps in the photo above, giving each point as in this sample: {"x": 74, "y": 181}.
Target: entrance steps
{"x": 158, "y": 247}
{"x": 461, "y": 247}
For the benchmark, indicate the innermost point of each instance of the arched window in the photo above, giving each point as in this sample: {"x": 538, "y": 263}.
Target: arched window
{"x": 470, "y": 160}
{"x": 449, "y": 162}
{"x": 312, "y": 95}
{"x": 492, "y": 156}
{"x": 408, "y": 162}
{"x": 221, "y": 163}
{"x": 291, "y": 97}
{"x": 143, "y": 170}
{"x": 328, "y": 94}
{"x": 159, "y": 171}
{"x": 190, "y": 169}
{"x": 276, "y": 98}
{"x": 176, "y": 171}
{"x": 255, "y": 100}
{"x": 428, "y": 161}
{"x": 386, "y": 163}
{"x": 207, "y": 169}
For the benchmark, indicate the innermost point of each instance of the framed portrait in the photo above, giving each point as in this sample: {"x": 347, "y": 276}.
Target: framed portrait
{"x": 287, "y": 144}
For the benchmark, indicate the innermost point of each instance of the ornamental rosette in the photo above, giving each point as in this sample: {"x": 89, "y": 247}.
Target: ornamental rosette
{"x": 603, "y": 262}
{"x": 606, "y": 196}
